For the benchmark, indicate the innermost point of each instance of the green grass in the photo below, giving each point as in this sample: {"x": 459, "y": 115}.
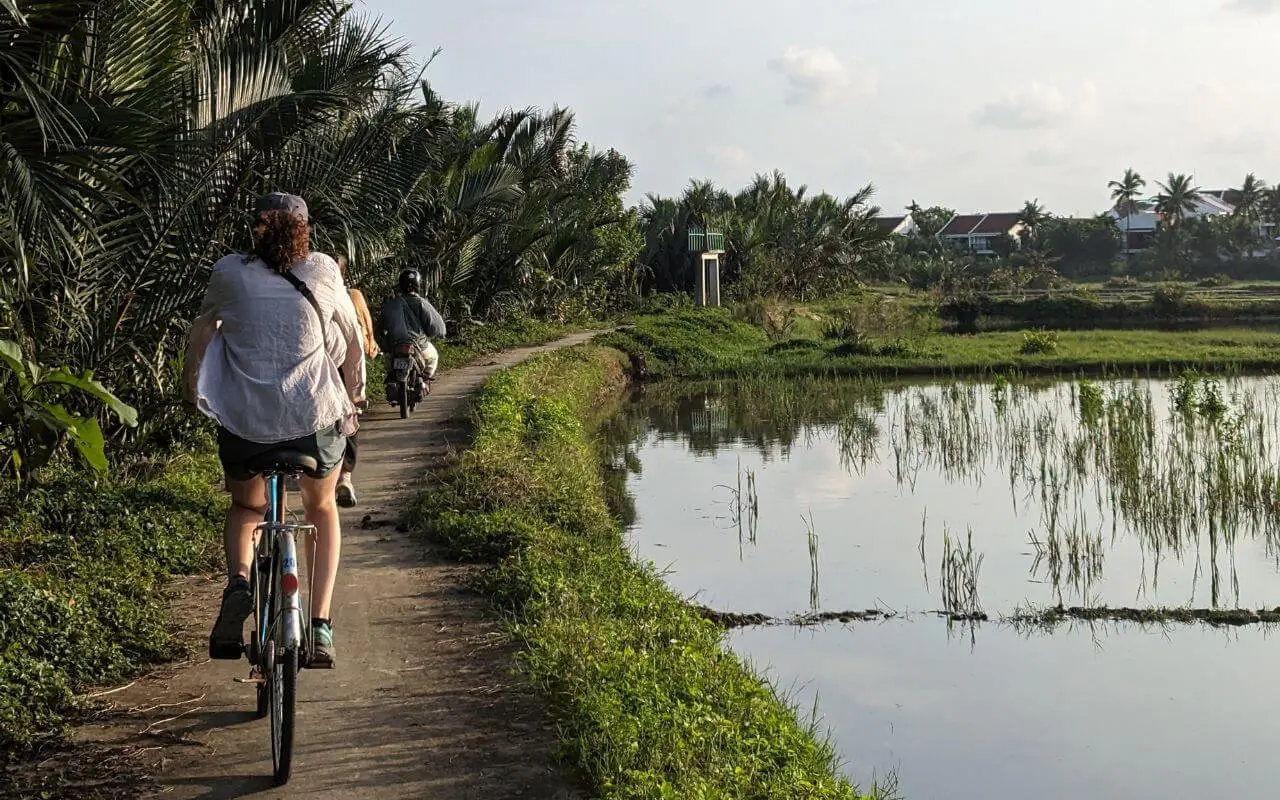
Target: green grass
{"x": 649, "y": 702}
{"x": 705, "y": 343}
{"x": 83, "y": 567}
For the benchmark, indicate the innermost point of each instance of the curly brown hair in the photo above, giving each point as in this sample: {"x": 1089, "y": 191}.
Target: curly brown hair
{"x": 281, "y": 239}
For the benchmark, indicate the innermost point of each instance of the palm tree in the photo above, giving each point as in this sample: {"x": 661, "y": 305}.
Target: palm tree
{"x": 1245, "y": 216}
{"x": 1270, "y": 213}
{"x": 1252, "y": 191}
{"x": 1177, "y": 198}
{"x": 1033, "y": 216}
{"x": 136, "y": 135}
{"x": 1125, "y": 194}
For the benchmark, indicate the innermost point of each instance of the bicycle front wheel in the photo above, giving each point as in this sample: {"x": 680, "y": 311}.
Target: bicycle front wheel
{"x": 284, "y": 695}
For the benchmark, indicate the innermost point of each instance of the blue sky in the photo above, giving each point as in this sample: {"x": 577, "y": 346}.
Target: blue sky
{"x": 973, "y": 104}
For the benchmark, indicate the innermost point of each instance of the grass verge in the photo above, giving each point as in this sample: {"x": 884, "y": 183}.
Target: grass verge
{"x": 709, "y": 343}
{"x": 649, "y": 703}
{"x": 83, "y": 567}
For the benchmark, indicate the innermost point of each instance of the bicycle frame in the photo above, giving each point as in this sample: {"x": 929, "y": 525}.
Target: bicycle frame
{"x": 277, "y": 536}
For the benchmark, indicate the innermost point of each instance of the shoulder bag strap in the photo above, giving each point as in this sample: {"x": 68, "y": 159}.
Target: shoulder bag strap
{"x": 305, "y": 291}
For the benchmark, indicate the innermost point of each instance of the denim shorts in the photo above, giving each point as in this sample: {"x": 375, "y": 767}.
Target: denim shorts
{"x": 327, "y": 446}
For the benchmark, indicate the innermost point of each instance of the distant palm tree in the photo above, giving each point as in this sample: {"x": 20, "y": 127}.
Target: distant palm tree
{"x": 1033, "y": 216}
{"x": 1270, "y": 212}
{"x": 1178, "y": 196}
{"x": 1125, "y": 194}
{"x": 1251, "y": 196}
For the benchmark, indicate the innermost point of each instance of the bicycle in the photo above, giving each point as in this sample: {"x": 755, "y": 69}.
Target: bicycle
{"x": 281, "y": 644}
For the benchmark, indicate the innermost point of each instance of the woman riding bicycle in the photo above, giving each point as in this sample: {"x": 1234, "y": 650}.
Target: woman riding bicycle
{"x": 279, "y": 361}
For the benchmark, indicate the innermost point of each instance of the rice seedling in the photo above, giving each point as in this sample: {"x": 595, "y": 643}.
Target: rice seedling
{"x": 815, "y": 599}
{"x": 959, "y": 576}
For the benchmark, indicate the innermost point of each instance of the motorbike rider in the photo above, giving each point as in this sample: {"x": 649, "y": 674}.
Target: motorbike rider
{"x": 409, "y": 317}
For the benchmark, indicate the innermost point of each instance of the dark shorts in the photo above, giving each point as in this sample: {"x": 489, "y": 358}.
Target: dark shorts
{"x": 327, "y": 447}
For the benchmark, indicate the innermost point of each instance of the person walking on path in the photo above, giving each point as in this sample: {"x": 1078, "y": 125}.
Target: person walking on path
{"x": 346, "y": 491}
{"x": 276, "y": 359}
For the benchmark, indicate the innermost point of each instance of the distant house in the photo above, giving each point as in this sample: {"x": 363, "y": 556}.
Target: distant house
{"x": 980, "y": 233}
{"x": 1141, "y": 225}
{"x": 895, "y": 226}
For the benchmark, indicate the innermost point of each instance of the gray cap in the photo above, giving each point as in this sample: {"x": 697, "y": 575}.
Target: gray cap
{"x": 279, "y": 201}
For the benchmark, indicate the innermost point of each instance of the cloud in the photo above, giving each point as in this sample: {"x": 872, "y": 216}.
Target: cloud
{"x": 818, "y": 78}
{"x": 1038, "y": 106}
{"x": 717, "y": 91}
{"x": 729, "y": 157}
{"x": 1238, "y": 143}
{"x": 1253, "y": 6}
{"x": 906, "y": 155}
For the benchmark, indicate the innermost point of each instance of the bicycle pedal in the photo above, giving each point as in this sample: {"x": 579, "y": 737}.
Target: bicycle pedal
{"x": 254, "y": 681}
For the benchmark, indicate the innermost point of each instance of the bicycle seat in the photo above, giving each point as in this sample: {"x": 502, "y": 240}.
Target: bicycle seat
{"x": 284, "y": 461}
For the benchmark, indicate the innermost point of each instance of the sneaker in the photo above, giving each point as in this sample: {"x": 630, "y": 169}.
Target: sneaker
{"x": 323, "y": 652}
{"x": 227, "y": 640}
{"x": 346, "y": 491}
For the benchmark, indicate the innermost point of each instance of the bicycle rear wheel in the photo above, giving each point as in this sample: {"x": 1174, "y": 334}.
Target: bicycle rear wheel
{"x": 282, "y": 680}
{"x": 284, "y": 689}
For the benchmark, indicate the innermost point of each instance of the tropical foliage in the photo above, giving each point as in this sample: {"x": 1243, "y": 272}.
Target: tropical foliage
{"x": 779, "y": 239}
{"x": 136, "y": 135}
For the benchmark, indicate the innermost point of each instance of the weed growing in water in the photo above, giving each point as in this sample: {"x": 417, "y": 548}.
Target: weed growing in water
{"x": 1091, "y": 402}
{"x": 960, "y": 568}
{"x": 815, "y": 600}
{"x": 1211, "y": 405}
{"x": 1000, "y": 394}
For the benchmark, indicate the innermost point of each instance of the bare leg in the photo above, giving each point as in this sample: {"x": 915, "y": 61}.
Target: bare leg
{"x": 322, "y": 512}
{"x": 248, "y": 506}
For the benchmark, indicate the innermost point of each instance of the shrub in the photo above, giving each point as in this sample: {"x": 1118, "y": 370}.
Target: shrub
{"x": 1039, "y": 343}
{"x": 1219, "y": 281}
{"x": 82, "y": 572}
{"x": 1122, "y": 282}
{"x": 775, "y": 317}
{"x": 1168, "y": 299}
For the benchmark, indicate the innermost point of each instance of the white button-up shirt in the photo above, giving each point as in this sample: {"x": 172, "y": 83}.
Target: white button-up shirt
{"x": 271, "y": 372}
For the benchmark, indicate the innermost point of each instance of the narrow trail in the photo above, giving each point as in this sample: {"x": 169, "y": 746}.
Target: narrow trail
{"x": 422, "y": 704}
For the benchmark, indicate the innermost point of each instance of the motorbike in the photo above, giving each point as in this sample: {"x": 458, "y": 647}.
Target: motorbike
{"x": 404, "y": 383}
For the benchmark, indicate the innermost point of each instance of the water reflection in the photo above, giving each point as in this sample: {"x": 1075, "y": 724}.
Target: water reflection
{"x": 1130, "y": 472}
{"x": 994, "y": 498}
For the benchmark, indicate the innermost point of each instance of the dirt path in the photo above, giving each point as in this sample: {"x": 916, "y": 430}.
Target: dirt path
{"x": 422, "y": 703}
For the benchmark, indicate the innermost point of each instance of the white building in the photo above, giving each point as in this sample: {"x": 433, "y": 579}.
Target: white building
{"x": 1143, "y": 223}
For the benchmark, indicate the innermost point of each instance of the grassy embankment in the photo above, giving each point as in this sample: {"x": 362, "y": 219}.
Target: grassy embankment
{"x": 708, "y": 343}
{"x": 84, "y": 563}
{"x": 649, "y": 703}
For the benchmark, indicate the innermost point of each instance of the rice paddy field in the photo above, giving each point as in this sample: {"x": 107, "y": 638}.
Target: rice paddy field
{"x": 985, "y": 588}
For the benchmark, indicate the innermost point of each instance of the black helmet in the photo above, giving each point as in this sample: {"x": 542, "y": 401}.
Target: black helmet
{"x": 410, "y": 282}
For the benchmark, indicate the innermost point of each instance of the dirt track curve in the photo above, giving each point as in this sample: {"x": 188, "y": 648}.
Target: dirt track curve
{"x": 422, "y": 704}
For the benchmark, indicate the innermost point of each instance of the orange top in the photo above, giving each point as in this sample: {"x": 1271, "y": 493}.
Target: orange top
{"x": 366, "y": 322}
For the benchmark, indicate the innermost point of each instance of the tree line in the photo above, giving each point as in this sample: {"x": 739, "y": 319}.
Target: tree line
{"x": 136, "y": 137}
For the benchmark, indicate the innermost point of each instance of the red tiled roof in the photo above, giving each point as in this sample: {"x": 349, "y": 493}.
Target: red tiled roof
{"x": 961, "y": 225}
{"x": 997, "y": 223}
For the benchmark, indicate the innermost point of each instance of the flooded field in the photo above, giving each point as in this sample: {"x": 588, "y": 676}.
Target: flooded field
{"x": 977, "y": 554}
